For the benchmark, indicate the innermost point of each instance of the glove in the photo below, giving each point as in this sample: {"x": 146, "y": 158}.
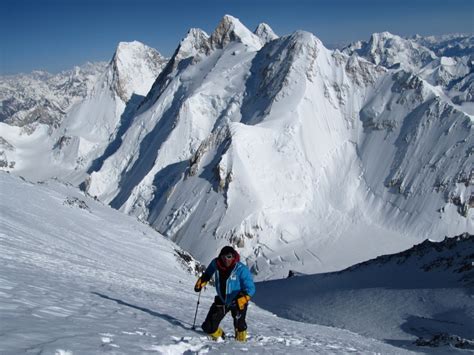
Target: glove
{"x": 199, "y": 285}
{"x": 242, "y": 301}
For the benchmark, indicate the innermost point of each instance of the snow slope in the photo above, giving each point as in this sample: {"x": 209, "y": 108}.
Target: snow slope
{"x": 422, "y": 292}
{"x": 77, "y": 277}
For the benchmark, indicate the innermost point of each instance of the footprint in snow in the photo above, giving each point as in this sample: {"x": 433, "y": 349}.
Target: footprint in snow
{"x": 107, "y": 340}
{"x": 141, "y": 333}
{"x": 180, "y": 346}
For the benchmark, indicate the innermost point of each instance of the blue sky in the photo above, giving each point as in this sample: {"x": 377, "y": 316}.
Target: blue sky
{"x": 54, "y": 35}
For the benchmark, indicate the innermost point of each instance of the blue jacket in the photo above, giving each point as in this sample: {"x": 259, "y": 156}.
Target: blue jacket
{"x": 240, "y": 280}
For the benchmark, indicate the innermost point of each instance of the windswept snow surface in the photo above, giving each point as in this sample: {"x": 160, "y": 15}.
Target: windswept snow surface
{"x": 422, "y": 292}
{"x": 77, "y": 277}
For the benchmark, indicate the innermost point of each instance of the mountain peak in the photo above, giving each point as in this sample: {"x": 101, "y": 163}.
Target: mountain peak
{"x": 134, "y": 64}
{"x": 196, "y": 41}
{"x": 265, "y": 33}
{"x": 123, "y": 46}
{"x": 231, "y": 29}
{"x": 383, "y": 36}
{"x": 126, "y": 51}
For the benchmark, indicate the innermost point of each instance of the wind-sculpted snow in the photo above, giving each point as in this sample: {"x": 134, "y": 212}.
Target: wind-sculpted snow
{"x": 86, "y": 281}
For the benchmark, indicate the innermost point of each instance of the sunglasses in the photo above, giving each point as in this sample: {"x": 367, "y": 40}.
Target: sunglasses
{"x": 228, "y": 256}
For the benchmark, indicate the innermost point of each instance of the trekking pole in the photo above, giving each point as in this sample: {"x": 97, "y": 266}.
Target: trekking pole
{"x": 195, "y": 314}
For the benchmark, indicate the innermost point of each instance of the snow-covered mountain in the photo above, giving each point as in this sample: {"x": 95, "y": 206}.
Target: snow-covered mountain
{"x": 74, "y": 144}
{"x": 302, "y": 157}
{"x": 453, "y": 45}
{"x": 422, "y": 296}
{"x": 77, "y": 277}
{"x": 294, "y": 153}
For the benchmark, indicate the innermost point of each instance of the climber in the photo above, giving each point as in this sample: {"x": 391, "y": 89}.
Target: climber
{"x": 234, "y": 286}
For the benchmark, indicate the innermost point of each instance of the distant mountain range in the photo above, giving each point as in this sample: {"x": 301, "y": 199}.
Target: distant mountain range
{"x": 302, "y": 157}
{"x": 45, "y": 98}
